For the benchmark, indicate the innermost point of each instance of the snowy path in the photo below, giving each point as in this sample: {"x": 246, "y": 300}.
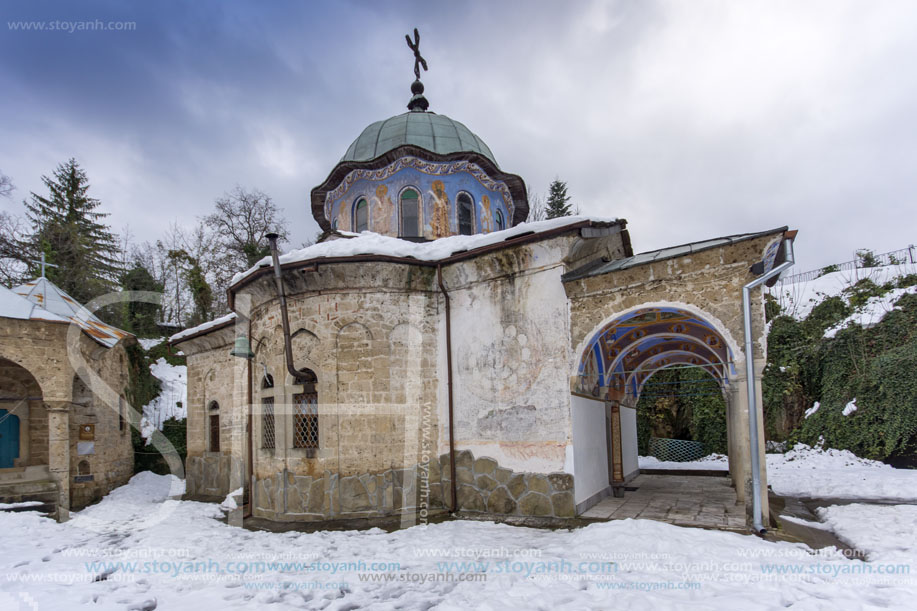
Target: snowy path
{"x": 630, "y": 564}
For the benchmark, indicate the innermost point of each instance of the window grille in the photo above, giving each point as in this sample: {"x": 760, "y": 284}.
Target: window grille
{"x": 268, "y": 435}
{"x": 305, "y": 420}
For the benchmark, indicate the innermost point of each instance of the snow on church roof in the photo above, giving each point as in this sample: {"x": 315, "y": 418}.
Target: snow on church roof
{"x": 16, "y": 306}
{"x": 52, "y": 299}
{"x": 368, "y": 243}
{"x": 203, "y": 327}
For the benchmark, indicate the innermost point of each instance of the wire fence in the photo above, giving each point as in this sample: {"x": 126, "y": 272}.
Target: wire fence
{"x": 676, "y": 450}
{"x": 865, "y": 260}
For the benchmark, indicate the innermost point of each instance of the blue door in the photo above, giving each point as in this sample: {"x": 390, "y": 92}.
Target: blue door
{"x": 9, "y": 438}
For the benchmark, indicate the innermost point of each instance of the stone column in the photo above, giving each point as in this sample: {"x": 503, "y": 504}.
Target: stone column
{"x": 59, "y": 454}
{"x": 617, "y": 474}
{"x": 732, "y": 436}
{"x": 743, "y": 453}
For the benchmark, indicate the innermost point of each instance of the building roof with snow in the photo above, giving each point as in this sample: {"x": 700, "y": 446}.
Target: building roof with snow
{"x": 49, "y": 297}
{"x": 18, "y": 307}
{"x": 203, "y": 328}
{"x": 436, "y": 251}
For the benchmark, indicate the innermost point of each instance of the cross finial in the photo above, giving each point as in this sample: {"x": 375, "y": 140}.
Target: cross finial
{"x": 415, "y": 47}
{"x": 418, "y": 102}
{"x": 43, "y": 264}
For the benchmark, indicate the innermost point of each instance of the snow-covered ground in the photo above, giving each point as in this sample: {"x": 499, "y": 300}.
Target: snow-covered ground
{"x": 146, "y": 344}
{"x": 814, "y": 472}
{"x": 138, "y": 549}
{"x": 798, "y": 298}
{"x": 172, "y": 401}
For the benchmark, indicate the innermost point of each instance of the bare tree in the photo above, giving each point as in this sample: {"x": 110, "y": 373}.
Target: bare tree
{"x": 538, "y": 209}
{"x": 6, "y": 185}
{"x": 13, "y": 268}
{"x": 241, "y": 222}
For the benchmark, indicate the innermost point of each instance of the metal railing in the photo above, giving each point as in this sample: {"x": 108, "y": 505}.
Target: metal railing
{"x": 866, "y": 261}
{"x": 676, "y": 450}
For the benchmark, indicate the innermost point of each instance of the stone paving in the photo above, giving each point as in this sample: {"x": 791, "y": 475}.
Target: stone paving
{"x": 683, "y": 500}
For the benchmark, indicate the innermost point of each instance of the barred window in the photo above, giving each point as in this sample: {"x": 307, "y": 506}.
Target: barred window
{"x": 268, "y": 435}
{"x": 305, "y": 413}
{"x": 305, "y": 420}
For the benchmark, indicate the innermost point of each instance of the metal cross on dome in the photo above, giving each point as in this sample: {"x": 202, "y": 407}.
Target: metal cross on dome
{"x": 415, "y": 47}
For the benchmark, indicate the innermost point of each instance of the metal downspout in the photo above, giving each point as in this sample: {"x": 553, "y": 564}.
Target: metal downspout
{"x": 442, "y": 287}
{"x": 753, "y": 436}
{"x": 284, "y": 316}
{"x": 250, "y": 458}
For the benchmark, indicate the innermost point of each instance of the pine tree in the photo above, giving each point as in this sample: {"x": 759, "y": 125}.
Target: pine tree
{"x": 140, "y": 317}
{"x": 558, "y": 200}
{"x": 69, "y": 230}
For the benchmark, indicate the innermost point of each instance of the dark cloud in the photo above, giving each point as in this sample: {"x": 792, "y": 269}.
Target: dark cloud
{"x": 691, "y": 120}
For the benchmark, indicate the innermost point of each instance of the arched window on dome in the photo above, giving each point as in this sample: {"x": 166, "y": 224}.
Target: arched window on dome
{"x": 499, "y": 222}
{"x": 465, "y": 214}
{"x": 334, "y": 225}
{"x": 410, "y": 214}
{"x": 361, "y": 215}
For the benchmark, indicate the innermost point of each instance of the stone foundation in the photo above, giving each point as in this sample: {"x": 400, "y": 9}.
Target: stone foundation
{"x": 482, "y": 487}
{"x": 207, "y": 477}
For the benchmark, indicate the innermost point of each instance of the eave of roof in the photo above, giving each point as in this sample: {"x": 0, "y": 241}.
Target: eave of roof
{"x": 654, "y": 256}
{"x": 459, "y": 255}
{"x": 203, "y": 329}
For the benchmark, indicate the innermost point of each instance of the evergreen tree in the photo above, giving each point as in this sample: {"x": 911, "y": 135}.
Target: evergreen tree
{"x": 140, "y": 318}
{"x": 558, "y": 201}
{"x": 69, "y": 230}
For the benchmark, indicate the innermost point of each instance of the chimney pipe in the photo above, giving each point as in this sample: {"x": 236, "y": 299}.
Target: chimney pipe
{"x": 298, "y": 378}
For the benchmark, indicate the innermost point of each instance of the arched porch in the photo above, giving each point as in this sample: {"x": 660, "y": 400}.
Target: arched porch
{"x": 24, "y": 438}
{"x": 615, "y": 365}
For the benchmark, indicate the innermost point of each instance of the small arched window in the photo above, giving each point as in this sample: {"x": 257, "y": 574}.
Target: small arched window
{"x": 410, "y": 213}
{"x": 361, "y": 215}
{"x": 305, "y": 414}
{"x": 499, "y": 223}
{"x": 334, "y": 225}
{"x": 268, "y": 432}
{"x": 214, "y": 423}
{"x": 465, "y": 214}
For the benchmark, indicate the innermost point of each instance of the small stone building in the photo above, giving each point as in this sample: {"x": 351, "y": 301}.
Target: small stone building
{"x": 446, "y": 354}
{"x": 64, "y": 431}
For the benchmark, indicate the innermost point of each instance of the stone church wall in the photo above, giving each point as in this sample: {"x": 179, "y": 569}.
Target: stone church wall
{"x": 84, "y": 472}
{"x": 214, "y": 379}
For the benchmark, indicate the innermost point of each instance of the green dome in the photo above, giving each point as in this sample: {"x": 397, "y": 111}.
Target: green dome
{"x": 427, "y": 130}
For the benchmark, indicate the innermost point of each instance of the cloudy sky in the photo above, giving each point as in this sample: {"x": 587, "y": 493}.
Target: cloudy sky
{"x": 689, "y": 119}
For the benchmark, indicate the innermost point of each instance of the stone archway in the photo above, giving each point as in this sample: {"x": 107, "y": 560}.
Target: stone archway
{"x": 615, "y": 363}
{"x": 21, "y": 403}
